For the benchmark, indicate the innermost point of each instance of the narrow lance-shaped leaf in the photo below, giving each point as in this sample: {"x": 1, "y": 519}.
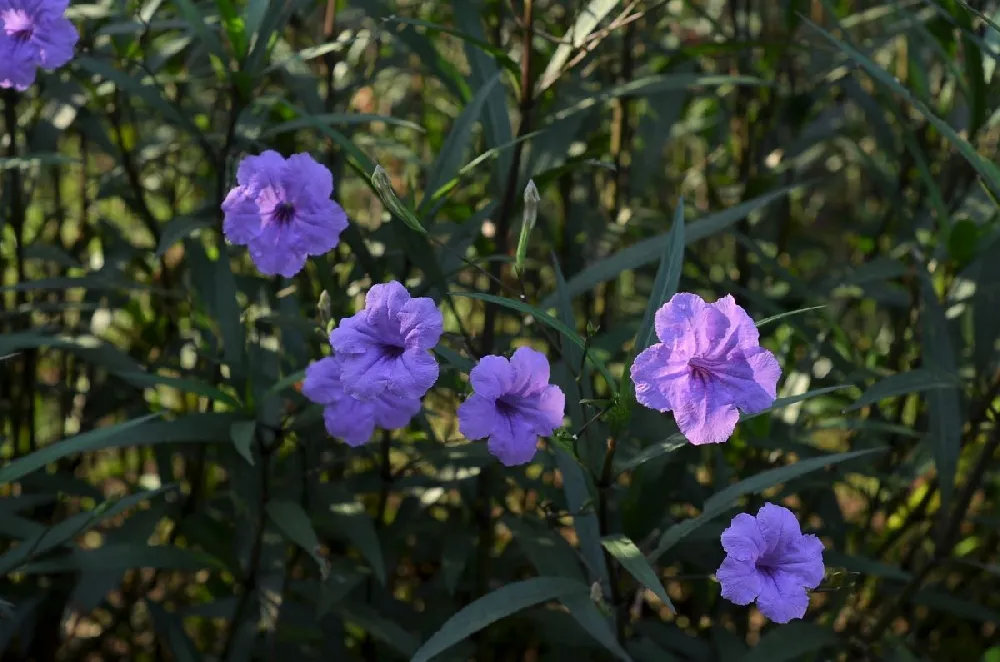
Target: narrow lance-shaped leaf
{"x": 921, "y": 379}
{"x": 632, "y": 560}
{"x": 494, "y": 606}
{"x": 294, "y": 523}
{"x": 531, "y": 200}
{"x": 724, "y": 499}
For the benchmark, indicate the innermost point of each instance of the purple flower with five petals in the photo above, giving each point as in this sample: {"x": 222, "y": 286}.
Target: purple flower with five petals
{"x": 513, "y": 404}
{"x": 33, "y": 33}
{"x": 707, "y": 367}
{"x": 348, "y": 418}
{"x": 385, "y": 347}
{"x": 282, "y": 211}
{"x": 768, "y": 559}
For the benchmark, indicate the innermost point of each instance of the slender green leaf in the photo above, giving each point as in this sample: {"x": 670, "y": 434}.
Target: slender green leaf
{"x": 632, "y": 560}
{"x": 452, "y": 155}
{"x": 242, "y": 434}
{"x": 921, "y": 379}
{"x": 81, "y": 443}
{"x": 668, "y": 277}
{"x": 494, "y": 606}
{"x": 182, "y": 384}
{"x": 944, "y": 406}
{"x": 790, "y": 642}
{"x": 171, "y": 630}
{"x": 668, "y": 445}
{"x": 724, "y": 499}
{"x": 124, "y": 556}
{"x": 354, "y": 523}
{"x": 649, "y": 250}
{"x": 779, "y": 316}
{"x": 294, "y": 523}
{"x": 989, "y": 172}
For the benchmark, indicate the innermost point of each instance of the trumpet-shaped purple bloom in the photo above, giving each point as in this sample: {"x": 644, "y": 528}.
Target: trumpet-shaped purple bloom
{"x": 707, "y": 367}
{"x": 348, "y": 418}
{"x": 513, "y": 404}
{"x": 768, "y": 559}
{"x": 385, "y": 347}
{"x": 282, "y": 211}
{"x": 33, "y": 33}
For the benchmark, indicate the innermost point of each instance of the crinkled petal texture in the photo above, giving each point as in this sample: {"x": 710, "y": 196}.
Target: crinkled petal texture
{"x": 33, "y": 34}
{"x": 707, "y": 367}
{"x": 513, "y": 405}
{"x": 770, "y": 560}
{"x": 385, "y": 347}
{"x": 348, "y": 418}
{"x": 282, "y": 211}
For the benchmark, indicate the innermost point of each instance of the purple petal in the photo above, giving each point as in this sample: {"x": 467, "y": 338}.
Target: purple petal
{"x": 367, "y": 375}
{"x": 264, "y": 171}
{"x": 18, "y": 61}
{"x": 803, "y": 560}
{"x": 492, "y": 377}
{"x": 272, "y": 254}
{"x": 322, "y": 383}
{"x": 242, "y": 221}
{"x": 702, "y": 415}
{"x": 416, "y": 373}
{"x": 318, "y": 229}
{"x": 350, "y": 420}
{"x": 56, "y": 42}
{"x": 779, "y": 527}
{"x": 353, "y": 336}
{"x": 530, "y": 371}
{"x": 659, "y": 381}
{"x": 741, "y": 331}
{"x": 513, "y": 442}
{"x": 394, "y": 411}
{"x": 742, "y": 540}
{"x": 766, "y": 372}
{"x": 551, "y": 409}
{"x": 781, "y": 599}
{"x": 688, "y": 326}
{"x": 732, "y": 380}
{"x": 477, "y": 417}
{"x": 740, "y": 581}
{"x": 420, "y": 323}
{"x": 306, "y": 181}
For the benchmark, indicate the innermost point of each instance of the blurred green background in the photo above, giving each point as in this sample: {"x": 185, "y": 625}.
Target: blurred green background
{"x": 830, "y": 164}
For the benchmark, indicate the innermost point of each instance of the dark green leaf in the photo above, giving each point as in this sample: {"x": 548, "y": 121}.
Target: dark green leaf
{"x": 494, "y": 606}
{"x": 632, "y": 560}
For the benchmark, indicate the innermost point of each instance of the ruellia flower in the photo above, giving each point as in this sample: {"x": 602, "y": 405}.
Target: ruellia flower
{"x": 348, "y": 418}
{"x": 513, "y": 404}
{"x": 707, "y": 367}
{"x": 282, "y": 212}
{"x": 385, "y": 348}
{"x": 770, "y": 560}
{"x": 33, "y": 33}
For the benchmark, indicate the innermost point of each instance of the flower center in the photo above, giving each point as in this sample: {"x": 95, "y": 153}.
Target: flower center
{"x": 393, "y": 351}
{"x": 701, "y": 367}
{"x": 18, "y": 25}
{"x": 506, "y": 406}
{"x": 284, "y": 212}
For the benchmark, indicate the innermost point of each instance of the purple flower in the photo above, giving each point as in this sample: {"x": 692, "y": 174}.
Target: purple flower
{"x": 513, "y": 404}
{"x": 282, "y": 211}
{"x": 384, "y": 348}
{"x": 33, "y": 33}
{"x": 348, "y": 418}
{"x": 769, "y": 560}
{"x": 707, "y": 366}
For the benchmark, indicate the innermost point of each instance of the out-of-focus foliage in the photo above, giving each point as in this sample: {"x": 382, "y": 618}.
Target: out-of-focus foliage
{"x": 167, "y": 494}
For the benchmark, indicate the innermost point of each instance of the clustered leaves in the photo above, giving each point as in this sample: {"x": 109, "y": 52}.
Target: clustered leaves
{"x": 167, "y": 486}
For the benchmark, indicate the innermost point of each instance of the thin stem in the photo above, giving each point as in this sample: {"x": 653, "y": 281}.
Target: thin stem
{"x": 604, "y": 522}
